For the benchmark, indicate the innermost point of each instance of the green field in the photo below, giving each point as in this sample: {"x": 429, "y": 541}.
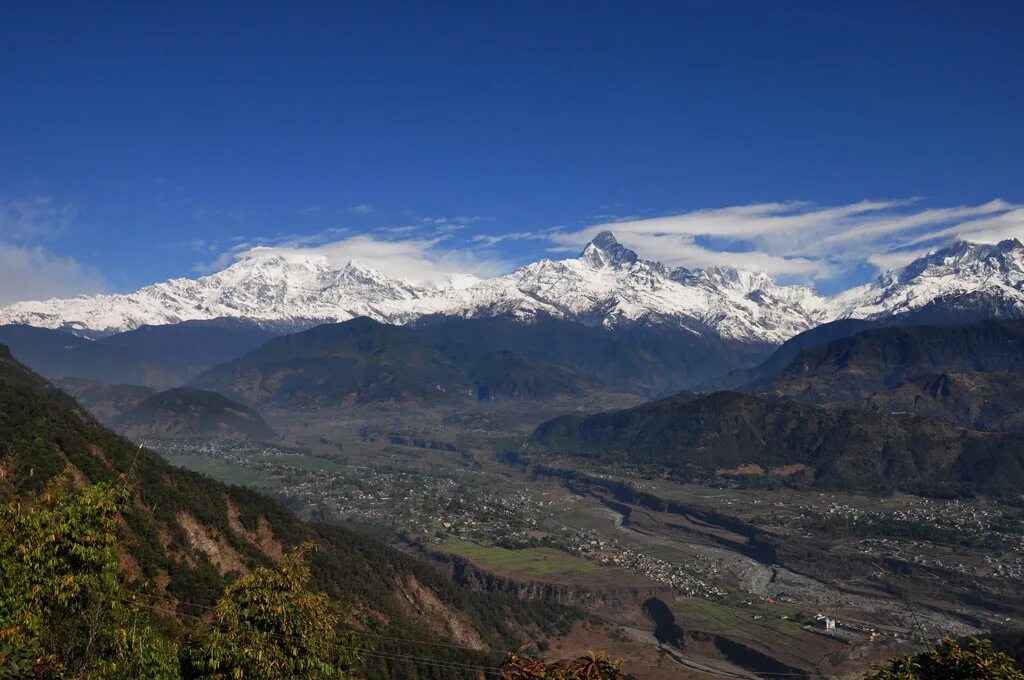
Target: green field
{"x": 222, "y": 471}
{"x": 301, "y": 462}
{"x": 527, "y": 562}
{"x": 737, "y": 621}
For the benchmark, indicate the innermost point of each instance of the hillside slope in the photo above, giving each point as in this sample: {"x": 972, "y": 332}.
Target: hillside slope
{"x": 58, "y": 354}
{"x": 457, "y": 360}
{"x": 698, "y": 437}
{"x": 189, "y": 535}
{"x": 855, "y": 367}
{"x": 191, "y": 347}
{"x": 106, "y": 401}
{"x": 187, "y": 413}
{"x": 983, "y": 401}
{"x": 151, "y": 356}
{"x": 363, "y": 361}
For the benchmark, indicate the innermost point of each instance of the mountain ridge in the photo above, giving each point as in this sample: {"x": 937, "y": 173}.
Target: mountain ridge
{"x": 606, "y": 285}
{"x": 707, "y": 436}
{"x": 451, "y": 360}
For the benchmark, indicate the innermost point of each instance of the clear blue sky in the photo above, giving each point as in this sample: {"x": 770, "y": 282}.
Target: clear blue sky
{"x": 149, "y": 128}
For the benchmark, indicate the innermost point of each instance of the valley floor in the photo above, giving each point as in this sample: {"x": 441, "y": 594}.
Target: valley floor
{"x": 680, "y": 580}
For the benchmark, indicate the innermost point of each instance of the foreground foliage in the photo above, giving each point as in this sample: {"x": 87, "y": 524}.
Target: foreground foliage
{"x": 44, "y": 435}
{"x": 267, "y": 625}
{"x": 65, "y": 613}
{"x": 951, "y": 660}
{"x": 591, "y": 666}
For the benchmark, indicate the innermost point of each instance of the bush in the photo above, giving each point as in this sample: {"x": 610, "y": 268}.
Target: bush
{"x": 950, "y": 660}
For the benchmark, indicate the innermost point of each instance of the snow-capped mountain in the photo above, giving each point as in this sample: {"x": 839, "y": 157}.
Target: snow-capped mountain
{"x": 962, "y": 275}
{"x": 285, "y": 289}
{"x": 608, "y": 284}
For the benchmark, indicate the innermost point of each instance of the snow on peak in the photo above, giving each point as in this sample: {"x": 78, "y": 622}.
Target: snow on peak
{"x": 608, "y": 284}
{"x": 959, "y": 270}
{"x": 606, "y": 251}
{"x": 961, "y": 257}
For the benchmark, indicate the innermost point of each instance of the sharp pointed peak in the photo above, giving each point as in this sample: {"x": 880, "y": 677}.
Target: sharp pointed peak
{"x": 605, "y": 239}
{"x": 605, "y": 250}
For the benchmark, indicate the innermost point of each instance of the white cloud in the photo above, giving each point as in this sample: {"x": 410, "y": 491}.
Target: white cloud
{"x": 1009, "y": 224}
{"x": 886, "y": 261}
{"x": 33, "y": 273}
{"x": 682, "y": 251}
{"x": 362, "y": 209}
{"x": 29, "y": 271}
{"x": 494, "y": 239}
{"x": 801, "y": 241}
{"x": 34, "y": 219}
{"x": 414, "y": 259}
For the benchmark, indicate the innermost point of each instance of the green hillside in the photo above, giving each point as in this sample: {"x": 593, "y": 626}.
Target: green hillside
{"x": 187, "y": 413}
{"x": 183, "y": 537}
{"x": 830, "y": 448}
{"x": 858, "y": 366}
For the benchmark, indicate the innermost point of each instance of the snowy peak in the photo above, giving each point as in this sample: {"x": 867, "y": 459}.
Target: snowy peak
{"x": 606, "y": 251}
{"x": 737, "y": 279}
{"x": 607, "y": 285}
{"x": 962, "y": 258}
{"x": 961, "y": 274}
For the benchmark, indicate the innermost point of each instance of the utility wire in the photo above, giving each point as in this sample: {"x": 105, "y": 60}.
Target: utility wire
{"x": 455, "y": 665}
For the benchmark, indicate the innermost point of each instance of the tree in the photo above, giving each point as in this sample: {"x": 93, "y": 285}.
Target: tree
{"x": 63, "y": 611}
{"x": 591, "y": 666}
{"x": 597, "y": 666}
{"x": 949, "y": 660}
{"x": 268, "y": 625}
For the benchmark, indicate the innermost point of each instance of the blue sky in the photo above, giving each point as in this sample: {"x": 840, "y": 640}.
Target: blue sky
{"x": 819, "y": 141}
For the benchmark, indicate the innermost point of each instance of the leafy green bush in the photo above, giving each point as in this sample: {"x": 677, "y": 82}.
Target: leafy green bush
{"x": 950, "y": 660}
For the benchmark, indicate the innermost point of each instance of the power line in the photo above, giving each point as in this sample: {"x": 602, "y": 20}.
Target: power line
{"x": 913, "y": 614}
{"x": 455, "y": 665}
{"x": 348, "y": 628}
{"x": 390, "y": 656}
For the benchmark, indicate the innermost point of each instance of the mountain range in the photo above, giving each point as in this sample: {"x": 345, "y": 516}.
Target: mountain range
{"x": 855, "y": 367}
{"x": 153, "y": 356}
{"x": 607, "y": 285}
{"x": 448, "y": 360}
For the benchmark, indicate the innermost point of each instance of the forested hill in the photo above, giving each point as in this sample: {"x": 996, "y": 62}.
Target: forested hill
{"x": 185, "y": 412}
{"x": 867, "y": 362}
{"x": 796, "y": 443}
{"x": 187, "y": 536}
{"x": 442, "y": 360}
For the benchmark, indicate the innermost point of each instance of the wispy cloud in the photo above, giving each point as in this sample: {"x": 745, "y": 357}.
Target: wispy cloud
{"x": 420, "y": 260}
{"x": 792, "y": 240}
{"x": 799, "y": 240}
{"x": 29, "y": 269}
{"x": 491, "y": 240}
{"x": 362, "y": 209}
{"x": 34, "y": 220}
